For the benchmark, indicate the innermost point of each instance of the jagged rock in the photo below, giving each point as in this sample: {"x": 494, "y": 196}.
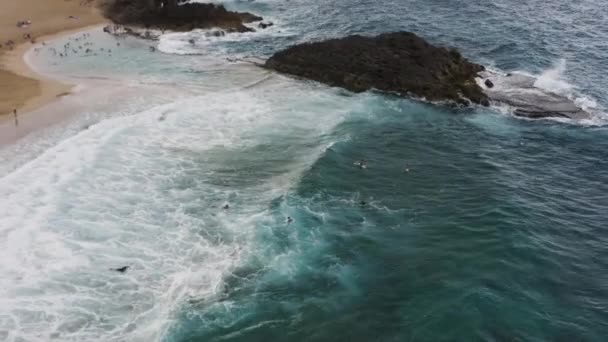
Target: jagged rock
{"x": 399, "y": 62}
{"x": 488, "y": 83}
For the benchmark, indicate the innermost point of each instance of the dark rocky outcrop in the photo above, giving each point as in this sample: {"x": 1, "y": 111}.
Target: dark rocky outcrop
{"x": 175, "y": 16}
{"x": 265, "y": 25}
{"x": 400, "y": 62}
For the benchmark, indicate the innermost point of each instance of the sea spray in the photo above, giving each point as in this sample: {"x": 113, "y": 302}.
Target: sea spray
{"x": 553, "y": 79}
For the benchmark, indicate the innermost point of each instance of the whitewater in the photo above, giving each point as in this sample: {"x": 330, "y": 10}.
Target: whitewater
{"x": 101, "y": 202}
{"x": 496, "y": 231}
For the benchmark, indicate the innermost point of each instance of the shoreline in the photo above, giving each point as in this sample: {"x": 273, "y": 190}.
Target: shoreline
{"x": 43, "y": 107}
{"x": 50, "y": 89}
{"x": 24, "y": 23}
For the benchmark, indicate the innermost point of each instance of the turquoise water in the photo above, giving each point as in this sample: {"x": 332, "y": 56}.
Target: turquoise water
{"x": 488, "y": 237}
{"x": 495, "y": 232}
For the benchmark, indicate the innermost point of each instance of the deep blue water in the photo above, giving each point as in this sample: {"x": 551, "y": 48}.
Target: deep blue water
{"x": 510, "y": 35}
{"x": 467, "y": 225}
{"x": 497, "y": 233}
{"x": 494, "y": 234}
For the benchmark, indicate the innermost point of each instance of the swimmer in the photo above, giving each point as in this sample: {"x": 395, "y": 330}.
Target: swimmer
{"x": 362, "y": 164}
{"x": 120, "y": 269}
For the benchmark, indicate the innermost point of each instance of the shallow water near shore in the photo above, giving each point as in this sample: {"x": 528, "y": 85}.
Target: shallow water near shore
{"x": 467, "y": 224}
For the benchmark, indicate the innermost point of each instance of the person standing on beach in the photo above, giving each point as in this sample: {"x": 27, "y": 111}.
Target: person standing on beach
{"x": 16, "y": 119}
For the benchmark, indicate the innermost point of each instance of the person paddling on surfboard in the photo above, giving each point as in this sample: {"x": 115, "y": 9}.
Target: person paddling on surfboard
{"x": 120, "y": 269}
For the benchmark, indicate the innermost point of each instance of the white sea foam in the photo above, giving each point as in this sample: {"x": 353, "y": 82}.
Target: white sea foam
{"x": 205, "y": 41}
{"x": 552, "y": 80}
{"x": 146, "y": 190}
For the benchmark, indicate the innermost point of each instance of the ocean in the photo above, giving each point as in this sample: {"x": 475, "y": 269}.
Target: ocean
{"x": 468, "y": 224}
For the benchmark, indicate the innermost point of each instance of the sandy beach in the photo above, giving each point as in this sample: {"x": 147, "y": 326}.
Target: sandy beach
{"x": 20, "y": 87}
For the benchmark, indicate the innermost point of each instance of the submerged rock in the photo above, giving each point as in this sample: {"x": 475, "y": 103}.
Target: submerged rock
{"x": 399, "y": 62}
{"x": 176, "y": 15}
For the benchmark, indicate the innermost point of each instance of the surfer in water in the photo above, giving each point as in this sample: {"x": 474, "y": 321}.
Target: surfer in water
{"x": 120, "y": 269}
{"x": 362, "y": 164}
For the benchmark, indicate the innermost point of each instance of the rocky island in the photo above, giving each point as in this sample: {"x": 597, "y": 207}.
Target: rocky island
{"x": 175, "y": 15}
{"x": 399, "y": 62}
{"x": 405, "y": 64}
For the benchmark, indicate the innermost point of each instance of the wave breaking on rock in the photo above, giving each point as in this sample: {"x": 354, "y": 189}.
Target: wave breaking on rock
{"x": 528, "y": 98}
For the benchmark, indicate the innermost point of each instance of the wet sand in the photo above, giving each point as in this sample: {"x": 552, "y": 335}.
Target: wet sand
{"x": 20, "y": 87}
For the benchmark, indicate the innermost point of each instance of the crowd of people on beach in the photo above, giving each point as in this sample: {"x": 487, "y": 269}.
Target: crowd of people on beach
{"x": 84, "y": 46}
{"x": 10, "y": 44}
{"x": 27, "y": 37}
{"x": 80, "y": 45}
{"x": 69, "y": 47}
